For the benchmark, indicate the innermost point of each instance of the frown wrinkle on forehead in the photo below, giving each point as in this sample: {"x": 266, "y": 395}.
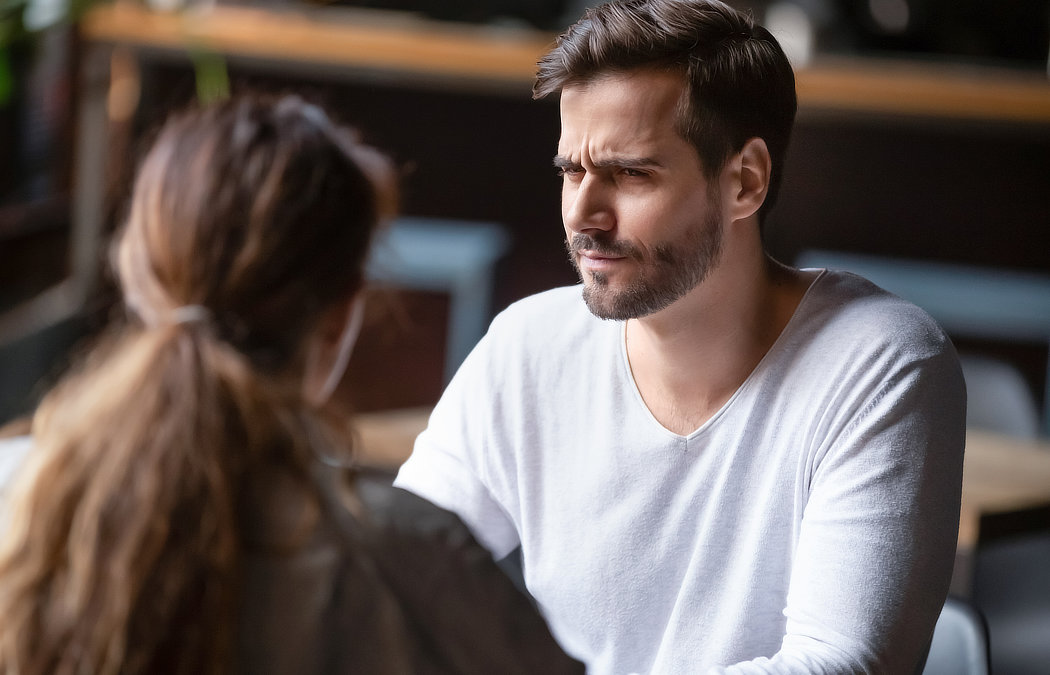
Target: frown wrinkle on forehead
{"x": 622, "y": 119}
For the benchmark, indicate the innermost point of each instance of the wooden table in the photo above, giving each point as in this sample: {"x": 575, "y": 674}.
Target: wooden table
{"x": 1006, "y": 481}
{"x": 1006, "y": 491}
{"x": 1002, "y": 475}
{"x": 386, "y": 437}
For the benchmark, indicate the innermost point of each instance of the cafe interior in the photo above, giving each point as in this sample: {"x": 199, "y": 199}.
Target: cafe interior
{"x": 920, "y": 160}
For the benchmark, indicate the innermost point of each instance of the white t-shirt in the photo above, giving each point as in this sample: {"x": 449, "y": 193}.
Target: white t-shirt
{"x": 808, "y": 527}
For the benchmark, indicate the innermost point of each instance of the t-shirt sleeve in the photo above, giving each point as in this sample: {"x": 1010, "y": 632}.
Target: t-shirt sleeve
{"x": 13, "y": 452}
{"x": 877, "y": 540}
{"x": 448, "y": 465}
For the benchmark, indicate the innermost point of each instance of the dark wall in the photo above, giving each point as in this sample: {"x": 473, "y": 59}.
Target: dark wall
{"x": 958, "y": 192}
{"x": 464, "y": 154}
{"x": 955, "y": 191}
{"x": 479, "y": 156}
{"x": 921, "y": 188}
{"x": 962, "y": 191}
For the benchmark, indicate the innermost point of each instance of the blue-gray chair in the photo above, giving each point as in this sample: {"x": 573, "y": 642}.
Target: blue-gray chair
{"x": 960, "y": 641}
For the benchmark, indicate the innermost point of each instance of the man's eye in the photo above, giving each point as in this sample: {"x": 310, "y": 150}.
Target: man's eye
{"x": 569, "y": 171}
{"x": 634, "y": 173}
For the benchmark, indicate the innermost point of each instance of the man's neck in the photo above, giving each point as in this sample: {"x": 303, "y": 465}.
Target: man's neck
{"x": 690, "y": 358}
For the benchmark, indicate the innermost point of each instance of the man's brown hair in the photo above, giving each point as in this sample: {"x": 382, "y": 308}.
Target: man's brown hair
{"x": 741, "y": 85}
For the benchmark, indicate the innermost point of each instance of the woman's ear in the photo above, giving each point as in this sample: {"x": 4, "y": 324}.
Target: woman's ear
{"x": 753, "y": 169}
{"x": 329, "y": 348}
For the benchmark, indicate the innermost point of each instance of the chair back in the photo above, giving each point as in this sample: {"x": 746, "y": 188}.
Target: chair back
{"x": 960, "y": 641}
{"x": 998, "y": 398}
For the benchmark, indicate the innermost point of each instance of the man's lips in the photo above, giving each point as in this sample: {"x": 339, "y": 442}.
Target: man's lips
{"x": 597, "y": 261}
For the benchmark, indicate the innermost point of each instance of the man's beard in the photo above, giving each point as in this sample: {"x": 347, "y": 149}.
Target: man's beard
{"x": 673, "y": 271}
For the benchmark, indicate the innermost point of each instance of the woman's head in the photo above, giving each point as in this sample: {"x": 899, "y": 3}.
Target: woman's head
{"x": 261, "y": 212}
{"x": 244, "y": 248}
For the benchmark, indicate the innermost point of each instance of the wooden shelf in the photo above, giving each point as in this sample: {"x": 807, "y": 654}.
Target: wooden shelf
{"x": 384, "y": 42}
{"x": 404, "y": 44}
{"x": 952, "y": 91}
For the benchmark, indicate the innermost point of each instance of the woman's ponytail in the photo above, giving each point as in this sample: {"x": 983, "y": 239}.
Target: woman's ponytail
{"x": 126, "y": 523}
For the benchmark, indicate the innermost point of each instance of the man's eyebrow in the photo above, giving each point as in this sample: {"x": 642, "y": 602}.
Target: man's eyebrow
{"x": 623, "y": 162}
{"x": 626, "y": 162}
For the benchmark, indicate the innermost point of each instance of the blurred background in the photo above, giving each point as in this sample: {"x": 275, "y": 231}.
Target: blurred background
{"x": 921, "y": 158}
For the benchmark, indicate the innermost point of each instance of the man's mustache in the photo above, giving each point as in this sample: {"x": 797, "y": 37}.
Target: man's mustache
{"x": 584, "y": 242}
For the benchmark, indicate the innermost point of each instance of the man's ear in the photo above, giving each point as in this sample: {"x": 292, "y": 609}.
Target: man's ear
{"x": 753, "y": 168}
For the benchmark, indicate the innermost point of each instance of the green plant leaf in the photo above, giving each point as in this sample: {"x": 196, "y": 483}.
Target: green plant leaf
{"x": 213, "y": 79}
{"x": 7, "y": 79}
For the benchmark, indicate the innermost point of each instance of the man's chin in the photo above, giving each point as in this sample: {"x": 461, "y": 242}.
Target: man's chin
{"x": 619, "y": 304}
{"x": 603, "y": 302}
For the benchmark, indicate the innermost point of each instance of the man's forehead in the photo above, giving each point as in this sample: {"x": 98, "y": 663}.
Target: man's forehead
{"x": 641, "y": 96}
{"x": 613, "y": 152}
{"x": 629, "y": 114}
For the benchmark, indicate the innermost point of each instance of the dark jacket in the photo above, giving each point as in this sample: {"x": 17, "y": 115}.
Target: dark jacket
{"x": 378, "y": 581}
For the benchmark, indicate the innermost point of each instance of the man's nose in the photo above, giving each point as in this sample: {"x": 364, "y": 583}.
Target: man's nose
{"x": 587, "y": 205}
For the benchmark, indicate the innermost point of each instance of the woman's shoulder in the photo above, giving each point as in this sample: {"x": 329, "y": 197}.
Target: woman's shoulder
{"x": 453, "y": 589}
{"x": 392, "y": 509}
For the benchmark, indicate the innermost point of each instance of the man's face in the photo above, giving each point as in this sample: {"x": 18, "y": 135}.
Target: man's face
{"x": 643, "y": 225}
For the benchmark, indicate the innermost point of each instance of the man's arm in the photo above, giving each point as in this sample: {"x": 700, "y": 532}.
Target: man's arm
{"x": 875, "y": 552}
{"x": 447, "y": 466}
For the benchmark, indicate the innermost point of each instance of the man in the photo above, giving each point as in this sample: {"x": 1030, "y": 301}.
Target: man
{"x": 725, "y": 465}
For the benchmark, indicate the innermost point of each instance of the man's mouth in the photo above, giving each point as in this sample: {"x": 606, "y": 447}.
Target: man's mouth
{"x": 597, "y": 257}
{"x": 586, "y": 245}
{"x": 595, "y": 261}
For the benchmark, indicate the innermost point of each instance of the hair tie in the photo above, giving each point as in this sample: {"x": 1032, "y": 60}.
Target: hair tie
{"x": 189, "y": 314}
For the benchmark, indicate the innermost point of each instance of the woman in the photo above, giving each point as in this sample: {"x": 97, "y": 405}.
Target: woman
{"x": 184, "y": 508}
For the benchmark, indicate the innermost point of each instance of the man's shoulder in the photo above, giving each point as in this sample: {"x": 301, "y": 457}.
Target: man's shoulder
{"x": 562, "y": 306}
{"x": 847, "y": 329}
{"x": 568, "y": 299}
{"x": 843, "y": 302}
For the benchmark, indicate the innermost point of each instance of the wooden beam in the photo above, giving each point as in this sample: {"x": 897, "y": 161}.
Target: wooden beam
{"x": 401, "y": 43}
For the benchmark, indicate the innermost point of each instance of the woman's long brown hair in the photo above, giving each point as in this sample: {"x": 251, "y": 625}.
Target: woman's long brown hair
{"x": 121, "y": 547}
